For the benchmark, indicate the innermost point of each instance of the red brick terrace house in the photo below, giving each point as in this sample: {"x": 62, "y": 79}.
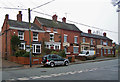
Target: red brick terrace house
{"x": 60, "y": 35}
{"x": 21, "y": 29}
{"x": 102, "y": 44}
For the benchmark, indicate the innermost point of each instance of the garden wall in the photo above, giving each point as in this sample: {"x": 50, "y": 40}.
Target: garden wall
{"x": 25, "y": 60}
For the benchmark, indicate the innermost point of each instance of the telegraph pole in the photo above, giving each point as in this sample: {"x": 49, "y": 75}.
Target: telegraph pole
{"x": 30, "y": 54}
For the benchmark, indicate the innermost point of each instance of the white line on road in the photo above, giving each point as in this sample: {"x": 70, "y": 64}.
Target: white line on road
{"x": 54, "y": 75}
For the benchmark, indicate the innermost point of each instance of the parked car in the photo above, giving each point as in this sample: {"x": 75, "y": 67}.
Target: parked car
{"x": 53, "y": 60}
{"x": 88, "y": 54}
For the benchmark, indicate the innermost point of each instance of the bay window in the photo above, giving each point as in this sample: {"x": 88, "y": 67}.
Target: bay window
{"x": 36, "y": 48}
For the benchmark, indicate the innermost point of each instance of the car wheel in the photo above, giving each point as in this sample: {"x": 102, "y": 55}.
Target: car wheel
{"x": 66, "y": 63}
{"x": 52, "y": 64}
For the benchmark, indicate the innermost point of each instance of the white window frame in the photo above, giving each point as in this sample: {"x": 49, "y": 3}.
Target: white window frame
{"x": 66, "y": 38}
{"x": 75, "y": 47}
{"x": 76, "y": 39}
{"x": 21, "y": 47}
{"x": 21, "y": 35}
{"x": 35, "y": 48}
{"x": 109, "y": 51}
{"x": 83, "y": 40}
{"x": 35, "y": 37}
{"x": 52, "y": 37}
{"x": 91, "y": 41}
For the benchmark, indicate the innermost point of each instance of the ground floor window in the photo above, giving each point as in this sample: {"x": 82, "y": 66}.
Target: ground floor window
{"x": 55, "y": 45}
{"x": 36, "y": 48}
{"x": 75, "y": 49}
{"x": 22, "y": 46}
{"x": 97, "y": 51}
{"x": 104, "y": 51}
{"x": 109, "y": 51}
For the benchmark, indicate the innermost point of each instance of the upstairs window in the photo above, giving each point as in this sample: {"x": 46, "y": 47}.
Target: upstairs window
{"x": 83, "y": 39}
{"x": 75, "y": 39}
{"x": 22, "y": 46}
{"x": 65, "y": 38}
{"x": 51, "y": 37}
{"x": 35, "y": 36}
{"x": 101, "y": 42}
{"x": 21, "y": 35}
{"x": 91, "y": 42}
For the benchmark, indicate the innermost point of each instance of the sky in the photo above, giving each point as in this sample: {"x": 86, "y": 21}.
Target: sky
{"x": 95, "y": 13}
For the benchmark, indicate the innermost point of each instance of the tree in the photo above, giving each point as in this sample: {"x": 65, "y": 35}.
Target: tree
{"x": 15, "y": 41}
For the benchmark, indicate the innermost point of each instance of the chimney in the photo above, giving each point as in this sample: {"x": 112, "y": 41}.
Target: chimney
{"x": 89, "y": 31}
{"x": 54, "y": 17}
{"x": 104, "y": 34}
{"x": 6, "y": 17}
{"x": 64, "y": 19}
{"x": 19, "y": 16}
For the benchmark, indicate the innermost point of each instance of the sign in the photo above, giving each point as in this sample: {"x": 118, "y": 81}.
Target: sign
{"x": 66, "y": 44}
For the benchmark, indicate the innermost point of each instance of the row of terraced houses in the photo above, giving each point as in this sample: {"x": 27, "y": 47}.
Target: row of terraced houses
{"x": 58, "y": 35}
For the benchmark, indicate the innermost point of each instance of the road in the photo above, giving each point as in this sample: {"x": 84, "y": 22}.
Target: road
{"x": 103, "y": 70}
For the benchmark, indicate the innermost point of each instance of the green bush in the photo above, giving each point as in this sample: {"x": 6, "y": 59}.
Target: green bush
{"x": 21, "y": 53}
{"x": 60, "y": 53}
{"x": 54, "y": 52}
{"x": 26, "y": 54}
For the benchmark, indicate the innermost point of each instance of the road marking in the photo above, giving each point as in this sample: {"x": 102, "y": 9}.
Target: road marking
{"x": 54, "y": 75}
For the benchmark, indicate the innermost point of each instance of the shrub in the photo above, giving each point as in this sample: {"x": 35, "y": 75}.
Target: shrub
{"x": 54, "y": 52}
{"x": 62, "y": 53}
{"x": 21, "y": 53}
{"x": 26, "y": 54}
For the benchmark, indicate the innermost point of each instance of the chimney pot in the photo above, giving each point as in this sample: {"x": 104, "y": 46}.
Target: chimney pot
{"x": 104, "y": 34}
{"x": 6, "y": 16}
{"x": 19, "y": 16}
{"x": 64, "y": 19}
{"x": 54, "y": 17}
{"x": 89, "y": 31}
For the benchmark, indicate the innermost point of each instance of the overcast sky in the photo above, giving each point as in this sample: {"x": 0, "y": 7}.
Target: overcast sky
{"x": 96, "y": 13}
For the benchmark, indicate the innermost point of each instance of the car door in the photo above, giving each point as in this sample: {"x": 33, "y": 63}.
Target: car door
{"x": 60, "y": 60}
{"x": 55, "y": 59}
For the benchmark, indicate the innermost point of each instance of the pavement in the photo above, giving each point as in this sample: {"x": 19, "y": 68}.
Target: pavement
{"x": 11, "y": 65}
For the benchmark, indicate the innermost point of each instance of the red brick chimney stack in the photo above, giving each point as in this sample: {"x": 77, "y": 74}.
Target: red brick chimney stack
{"x": 104, "y": 34}
{"x": 89, "y": 31}
{"x": 6, "y": 17}
{"x": 19, "y": 16}
{"x": 64, "y": 19}
{"x": 54, "y": 17}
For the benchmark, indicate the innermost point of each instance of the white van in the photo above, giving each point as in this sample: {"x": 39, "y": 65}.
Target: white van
{"x": 88, "y": 54}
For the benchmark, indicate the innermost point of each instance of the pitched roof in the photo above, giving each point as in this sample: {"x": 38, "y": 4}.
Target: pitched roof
{"x": 23, "y": 25}
{"x": 95, "y": 36}
{"x": 57, "y": 25}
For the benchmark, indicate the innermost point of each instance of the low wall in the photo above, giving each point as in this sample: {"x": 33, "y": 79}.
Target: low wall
{"x": 26, "y": 60}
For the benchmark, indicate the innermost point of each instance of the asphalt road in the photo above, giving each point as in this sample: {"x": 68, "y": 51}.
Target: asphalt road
{"x": 103, "y": 70}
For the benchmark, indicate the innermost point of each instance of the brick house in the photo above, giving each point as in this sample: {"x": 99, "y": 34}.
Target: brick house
{"x": 0, "y": 44}
{"x": 102, "y": 44}
{"x": 21, "y": 29}
{"x": 60, "y": 35}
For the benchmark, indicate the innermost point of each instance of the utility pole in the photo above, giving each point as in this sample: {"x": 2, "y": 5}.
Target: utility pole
{"x": 30, "y": 54}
